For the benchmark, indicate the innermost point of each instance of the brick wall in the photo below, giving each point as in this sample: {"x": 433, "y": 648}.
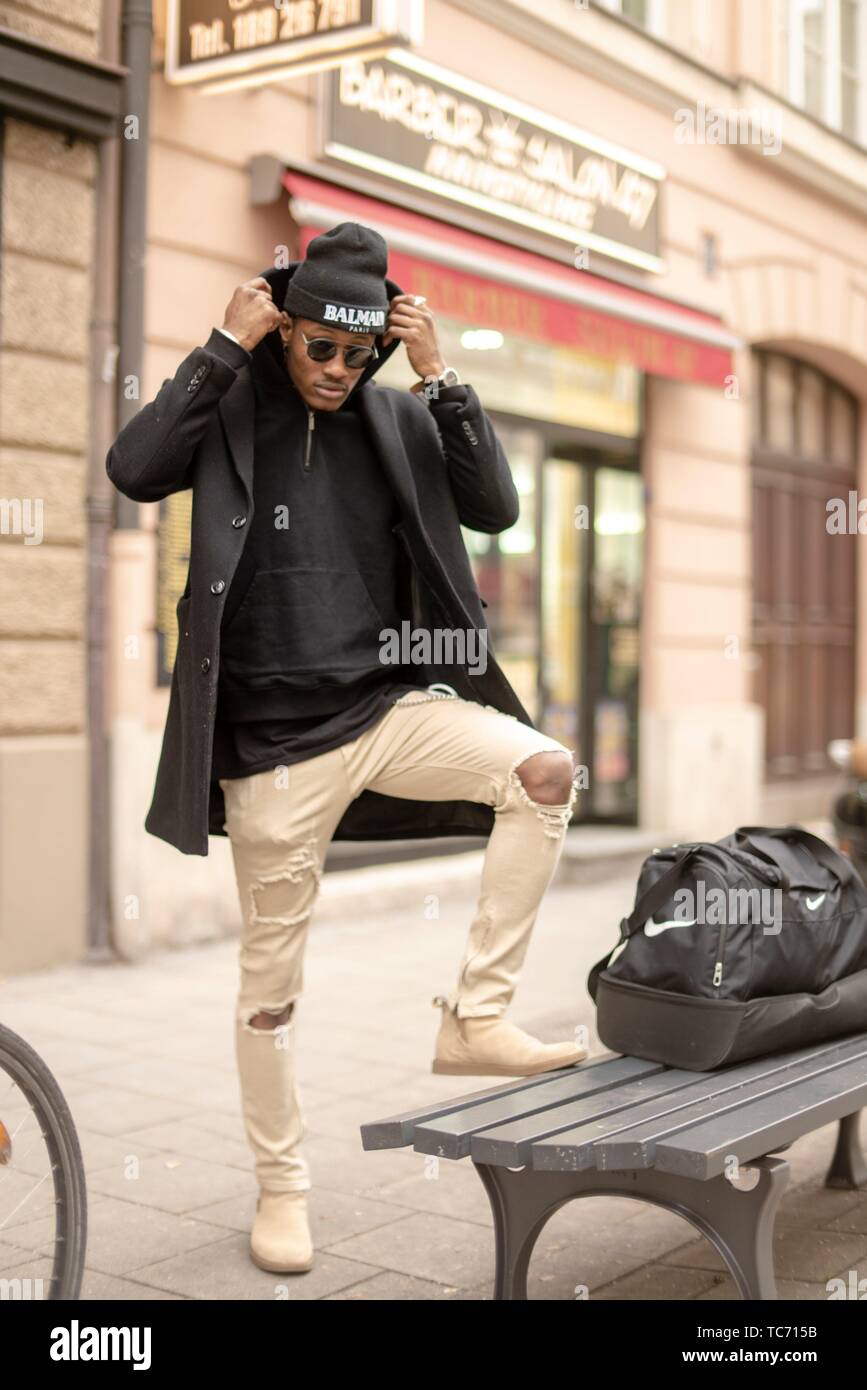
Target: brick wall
{"x": 47, "y": 219}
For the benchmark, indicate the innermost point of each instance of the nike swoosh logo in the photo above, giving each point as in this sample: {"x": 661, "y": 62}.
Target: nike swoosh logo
{"x": 813, "y": 903}
{"x": 652, "y": 928}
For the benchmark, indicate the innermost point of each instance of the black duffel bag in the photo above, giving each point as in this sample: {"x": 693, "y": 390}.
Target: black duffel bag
{"x": 738, "y": 947}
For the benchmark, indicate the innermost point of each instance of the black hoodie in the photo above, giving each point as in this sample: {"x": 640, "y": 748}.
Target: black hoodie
{"x": 320, "y": 576}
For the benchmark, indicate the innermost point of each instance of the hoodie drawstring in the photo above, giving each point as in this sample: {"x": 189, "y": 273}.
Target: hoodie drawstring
{"x": 311, "y": 421}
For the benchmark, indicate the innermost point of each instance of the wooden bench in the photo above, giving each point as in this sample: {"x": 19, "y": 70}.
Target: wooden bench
{"x": 629, "y": 1128}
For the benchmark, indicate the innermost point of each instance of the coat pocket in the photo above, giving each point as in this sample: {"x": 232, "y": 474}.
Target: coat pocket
{"x": 314, "y": 620}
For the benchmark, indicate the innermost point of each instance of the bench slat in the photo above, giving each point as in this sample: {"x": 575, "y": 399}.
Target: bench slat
{"x": 450, "y": 1135}
{"x": 701, "y": 1152}
{"x": 631, "y": 1148}
{"x": 397, "y": 1130}
{"x": 510, "y": 1144}
{"x": 631, "y": 1142}
{"x": 601, "y": 1120}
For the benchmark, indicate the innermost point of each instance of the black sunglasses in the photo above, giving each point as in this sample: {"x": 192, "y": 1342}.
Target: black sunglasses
{"x": 323, "y": 349}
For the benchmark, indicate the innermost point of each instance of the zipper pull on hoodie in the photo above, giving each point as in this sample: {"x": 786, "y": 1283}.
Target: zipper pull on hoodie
{"x": 311, "y": 421}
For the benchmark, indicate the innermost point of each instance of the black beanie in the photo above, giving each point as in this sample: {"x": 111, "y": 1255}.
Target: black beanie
{"x": 342, "y": 280}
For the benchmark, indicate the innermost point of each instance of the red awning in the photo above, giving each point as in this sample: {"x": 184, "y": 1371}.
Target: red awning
{"x": 493, "y": 285}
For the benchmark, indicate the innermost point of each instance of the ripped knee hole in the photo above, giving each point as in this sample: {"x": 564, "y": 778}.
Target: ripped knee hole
{"x": 555, "y": 815}
{"x": 548, "y": 782}
{"x": 267, "y": 1020}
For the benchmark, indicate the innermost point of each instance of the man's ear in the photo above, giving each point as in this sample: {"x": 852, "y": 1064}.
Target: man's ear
{"x": 285, "y": 327}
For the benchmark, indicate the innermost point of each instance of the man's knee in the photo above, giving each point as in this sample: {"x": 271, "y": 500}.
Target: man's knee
{"x": 547, "y": 777}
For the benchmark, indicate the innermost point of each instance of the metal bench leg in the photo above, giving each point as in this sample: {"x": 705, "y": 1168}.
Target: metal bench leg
{"x": 848, "y": 1168}
{"x": 738, "y": 1223}
{"x": 520, "y": 1210}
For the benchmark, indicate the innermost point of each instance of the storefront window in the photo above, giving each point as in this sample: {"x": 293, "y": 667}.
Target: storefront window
{"x": 506, "y": 569}
{"x": 618, "y": 526}
{"x": 563, "y": 599}
{"x": 618, "y": 519}
{"x": 592, "y": 564}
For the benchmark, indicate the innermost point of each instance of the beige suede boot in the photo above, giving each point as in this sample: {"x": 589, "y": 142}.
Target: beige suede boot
{"x": 271, "y": 1101}
{"x": 490, "y": 1046}
{"x": 280, "y": 1240}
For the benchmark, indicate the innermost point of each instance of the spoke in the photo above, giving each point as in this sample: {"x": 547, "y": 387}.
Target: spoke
{"x": 12, "y": 1169}
{"x": 24, "y": 1199}
{"x": 43, "y": 1132}
{"x": 9, "y": 1167}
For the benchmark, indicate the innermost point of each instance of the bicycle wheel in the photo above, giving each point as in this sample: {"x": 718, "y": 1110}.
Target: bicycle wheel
{"x": 41, "y": 1171}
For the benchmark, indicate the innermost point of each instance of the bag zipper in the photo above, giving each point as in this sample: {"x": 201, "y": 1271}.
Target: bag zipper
{"x": 311, "y": 421}
{"x": 719, "y": 964}
{"x": 746, "y": 863}
{"x": 718, "y": 967}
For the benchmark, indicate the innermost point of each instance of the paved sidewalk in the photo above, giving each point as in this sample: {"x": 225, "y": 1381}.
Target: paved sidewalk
{"x": 145, "y": 1056}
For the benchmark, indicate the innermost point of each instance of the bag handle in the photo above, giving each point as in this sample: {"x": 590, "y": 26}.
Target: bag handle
{"x": 650, "y": 901}
{"x": 835, "y": 863}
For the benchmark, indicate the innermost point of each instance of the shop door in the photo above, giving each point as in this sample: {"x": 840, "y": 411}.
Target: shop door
{"x": 506, "y": 568}
{"x": 562, "y": 588}
{"x": 591, "y": 571}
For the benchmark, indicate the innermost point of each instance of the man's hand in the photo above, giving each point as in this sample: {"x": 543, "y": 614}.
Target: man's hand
{"x": 251, "y": 312}
{"x": 411, "y": 320}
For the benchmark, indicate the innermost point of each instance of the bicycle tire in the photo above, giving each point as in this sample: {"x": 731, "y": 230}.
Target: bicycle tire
{"x": 27, "y": 1069}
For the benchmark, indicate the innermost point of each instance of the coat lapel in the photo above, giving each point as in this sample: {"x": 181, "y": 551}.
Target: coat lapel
{"x": 380, "y": 420}
{"x": 388, "y": 437}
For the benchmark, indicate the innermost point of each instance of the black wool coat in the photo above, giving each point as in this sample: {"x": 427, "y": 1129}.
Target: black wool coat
{"x": 198, "y": 433}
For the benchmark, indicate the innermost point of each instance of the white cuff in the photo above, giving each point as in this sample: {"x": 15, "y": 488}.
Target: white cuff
{"x": 232, "y": 336}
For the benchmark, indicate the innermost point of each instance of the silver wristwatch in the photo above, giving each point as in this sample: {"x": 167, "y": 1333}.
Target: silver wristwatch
{"x": 447, "y": 377}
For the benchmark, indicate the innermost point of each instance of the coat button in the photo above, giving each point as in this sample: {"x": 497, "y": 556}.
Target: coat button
{"x": 238, "y": 520}
{"x": 218, "y": 586}
{"x": 206, "y": 664}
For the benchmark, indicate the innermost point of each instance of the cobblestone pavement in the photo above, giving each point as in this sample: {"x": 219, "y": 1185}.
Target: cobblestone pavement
{"x": 145, "y": 1056}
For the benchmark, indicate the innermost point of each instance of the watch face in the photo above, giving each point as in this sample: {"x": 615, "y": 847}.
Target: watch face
{"x": 450, "y": 377}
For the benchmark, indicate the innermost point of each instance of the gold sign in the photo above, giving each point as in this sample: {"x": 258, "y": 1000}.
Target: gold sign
{"x": 224, "y": 44}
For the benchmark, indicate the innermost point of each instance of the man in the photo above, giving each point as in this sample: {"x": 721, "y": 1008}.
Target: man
{"x": 326, "y": 513}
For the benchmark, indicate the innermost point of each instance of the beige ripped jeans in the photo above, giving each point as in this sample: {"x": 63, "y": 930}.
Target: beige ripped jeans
{"x": 429, "y": 746}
